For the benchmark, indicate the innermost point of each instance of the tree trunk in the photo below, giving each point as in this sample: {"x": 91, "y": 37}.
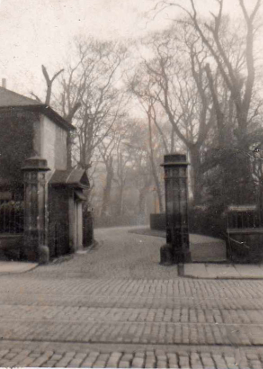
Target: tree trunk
{"x": 107, "y": 189}
{"x": 142, "y": 200}
{"x": 195, "y": 174}
{"x": 159, "y": 193}
{"x": 152, "y": 161}
{"x": 119, "y": 207}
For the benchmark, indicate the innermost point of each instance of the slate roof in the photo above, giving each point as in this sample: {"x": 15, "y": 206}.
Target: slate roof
{"x": 70, "y": 177}
{"x": 10, "y": 99}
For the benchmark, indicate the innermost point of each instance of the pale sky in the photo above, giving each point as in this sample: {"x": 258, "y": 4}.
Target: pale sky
{"x": 35, "y": 32}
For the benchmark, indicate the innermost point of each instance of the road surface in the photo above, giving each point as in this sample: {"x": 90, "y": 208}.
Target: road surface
{"x": 115, "y": 306}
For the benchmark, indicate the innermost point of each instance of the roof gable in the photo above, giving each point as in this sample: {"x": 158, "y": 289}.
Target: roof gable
{"x": 11, "y": 99}
{"x": 71, "y": 177}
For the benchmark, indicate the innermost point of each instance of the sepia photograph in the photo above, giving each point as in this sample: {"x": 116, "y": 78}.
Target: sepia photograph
{"x": 131, "y": 184}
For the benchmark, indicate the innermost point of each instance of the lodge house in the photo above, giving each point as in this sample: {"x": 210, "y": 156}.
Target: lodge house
{"x": 41, "y": 196}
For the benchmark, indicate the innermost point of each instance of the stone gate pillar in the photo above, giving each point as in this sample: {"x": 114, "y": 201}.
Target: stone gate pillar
{"x": 35, "y": 212}
{"x": 176, "y": 250}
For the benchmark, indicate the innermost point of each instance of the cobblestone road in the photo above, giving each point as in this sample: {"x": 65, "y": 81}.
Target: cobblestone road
{"x": 115, "y": 306}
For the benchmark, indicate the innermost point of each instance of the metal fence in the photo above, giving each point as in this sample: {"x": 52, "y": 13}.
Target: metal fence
{"x": 11, "y": 216}
{"x": 244, "y": 216}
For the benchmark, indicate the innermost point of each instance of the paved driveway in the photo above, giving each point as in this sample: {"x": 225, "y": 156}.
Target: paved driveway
{"x": 203, "y": 248}
{"x": 119, "y": 254}
{"x": 116, "y": 306}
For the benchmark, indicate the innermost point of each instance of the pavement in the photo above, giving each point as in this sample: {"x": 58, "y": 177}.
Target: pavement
{"x": 223, "y": 271}
{"x": 115, "y": 306}
{"x": 7, "y": 267}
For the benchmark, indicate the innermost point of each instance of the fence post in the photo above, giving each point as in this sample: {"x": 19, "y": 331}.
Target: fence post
{"x": 35, "y": 216}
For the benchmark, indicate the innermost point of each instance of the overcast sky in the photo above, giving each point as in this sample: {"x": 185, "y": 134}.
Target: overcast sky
{"x": 35, "y": 32}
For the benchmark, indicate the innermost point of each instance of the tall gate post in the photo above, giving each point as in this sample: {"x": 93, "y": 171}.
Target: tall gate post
{"x": 176, "y": 250}
{"x": 35, "y": 216}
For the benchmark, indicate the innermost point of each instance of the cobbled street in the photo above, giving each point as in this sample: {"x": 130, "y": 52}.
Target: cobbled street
{"x": 115, "y": 306}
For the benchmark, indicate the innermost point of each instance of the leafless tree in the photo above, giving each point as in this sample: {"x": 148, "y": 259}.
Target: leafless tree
{"x": 49, "y": 84}
{"x": 140, "y": 174}
{"x": 157, "y": 143}
{"x": 180, "y": 90}
{"x": 233, "y": 56}
{"x": 67, "y": 115}
{"x": 93, "y": 79}
{"x": 106, "y": 150}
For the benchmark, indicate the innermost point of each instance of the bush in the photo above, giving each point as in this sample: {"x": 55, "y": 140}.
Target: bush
{"x": 158, "y": 221}
{"x": 207, "y": 221}
{"x": 202, "y": 220}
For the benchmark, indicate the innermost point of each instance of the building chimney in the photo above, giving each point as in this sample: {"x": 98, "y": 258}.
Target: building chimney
{"x": 4, "y": 82}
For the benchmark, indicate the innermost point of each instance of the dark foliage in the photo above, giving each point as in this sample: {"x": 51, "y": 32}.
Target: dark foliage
{"x": 208, "y": 221}
{"x": 202, "y": 220}
{"x": 11, "y": 217}
{"x": 228, "y": 178}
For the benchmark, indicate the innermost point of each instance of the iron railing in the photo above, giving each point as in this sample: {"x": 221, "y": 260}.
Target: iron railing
{"x": 11, "y": 216}
{"x": 244, "y": 216}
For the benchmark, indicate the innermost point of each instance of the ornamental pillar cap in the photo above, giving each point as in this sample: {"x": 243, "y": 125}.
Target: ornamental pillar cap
{"x": 35, "y": 163}
{"x": 176, "y": 159}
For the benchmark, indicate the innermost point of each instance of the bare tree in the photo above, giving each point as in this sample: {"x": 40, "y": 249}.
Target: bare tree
{"x": 241, "y": 91}
{"x": 155, "y": 149}
{"x": 234, "y": 57}
{"x": 94, "y": 80}
{"x": 141, "y": 178}
{"x": 106, "y": 152}
{"x": 181, "y": 91}
{"x": 49, "y": 84}
{"x": 67, "y": 115}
